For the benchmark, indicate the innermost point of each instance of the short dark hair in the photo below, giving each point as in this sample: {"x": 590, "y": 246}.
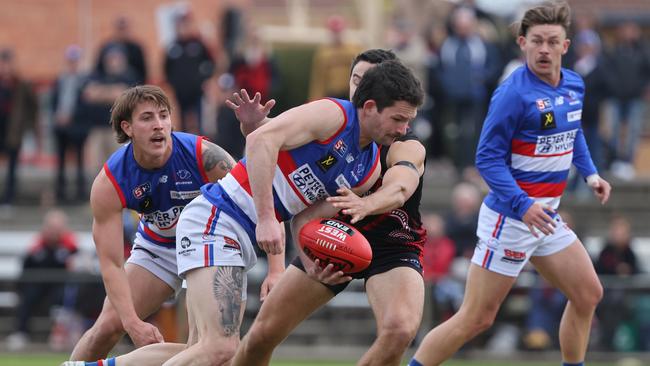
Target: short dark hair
{"x": 373, "y": 56}
{"x": 129, "y": 100}
{"x": 388, "y": 82}
{"x": 552, "y": 12}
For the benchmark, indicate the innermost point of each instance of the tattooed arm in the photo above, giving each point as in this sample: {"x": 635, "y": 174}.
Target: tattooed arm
{"x": 216, "y": 161}
{"x": 228, "y": 287}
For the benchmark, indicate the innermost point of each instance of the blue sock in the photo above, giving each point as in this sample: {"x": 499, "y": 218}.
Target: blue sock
{"x": 414, "y": 362}
{"x": 573, "y": 364}
{"x": 106, "y": 362}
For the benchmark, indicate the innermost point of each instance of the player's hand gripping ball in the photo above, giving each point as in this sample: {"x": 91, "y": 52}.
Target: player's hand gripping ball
{"x": 335, "y": 242}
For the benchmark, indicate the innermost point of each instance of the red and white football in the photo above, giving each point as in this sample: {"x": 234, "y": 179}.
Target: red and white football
{"x": 336, "y": 242}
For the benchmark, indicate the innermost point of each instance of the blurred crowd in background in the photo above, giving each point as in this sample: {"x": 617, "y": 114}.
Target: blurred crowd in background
{"x": 460, "y": 59}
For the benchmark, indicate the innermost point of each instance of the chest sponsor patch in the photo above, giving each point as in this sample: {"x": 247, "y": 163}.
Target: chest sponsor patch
{"x": 555, "y": 144}
{"x": 308, "y": 184}
{"x": 574, "y": 116}
{"x": 163, "y": 219}
{"x": 341, "y": 148}
{"x": 543, "y": 104}
{"x": 548, "y": 120}
{"x": 142, "y": 189}
{"x": 342, "y": 182}
{"x": 327, "y": 162}
{"x": 184, "y": 195}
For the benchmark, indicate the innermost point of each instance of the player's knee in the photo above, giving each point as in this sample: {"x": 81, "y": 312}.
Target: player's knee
{"x": 400, "y": 333}
{"x": 479, "y": 321}
{"x": 589, "y": 297}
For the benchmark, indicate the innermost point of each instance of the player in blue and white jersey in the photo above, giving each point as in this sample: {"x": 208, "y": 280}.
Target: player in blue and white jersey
{"x": 530, "y": 138}
{"x": 156, "y": 173}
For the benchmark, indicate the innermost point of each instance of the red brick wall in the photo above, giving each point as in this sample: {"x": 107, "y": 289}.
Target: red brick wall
{"x": 39, "y": 30}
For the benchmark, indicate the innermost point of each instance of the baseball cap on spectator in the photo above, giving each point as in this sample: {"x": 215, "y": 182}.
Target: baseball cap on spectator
{"x": 72, "y": 53}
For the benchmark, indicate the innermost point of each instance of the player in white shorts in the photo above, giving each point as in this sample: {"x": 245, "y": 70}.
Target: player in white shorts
{"x": 203, "y": 243}
{"x": 530, "y": 138}
{"x": 505, "y": 245}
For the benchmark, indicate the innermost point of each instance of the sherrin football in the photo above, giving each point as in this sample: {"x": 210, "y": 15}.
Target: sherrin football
{"x": 333, "y": 241}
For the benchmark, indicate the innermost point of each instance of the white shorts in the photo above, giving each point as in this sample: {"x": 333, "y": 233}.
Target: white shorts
{"x": 206, "y": 237}
{"x": 505, "y": 245}
{"x": 156, "y": 259}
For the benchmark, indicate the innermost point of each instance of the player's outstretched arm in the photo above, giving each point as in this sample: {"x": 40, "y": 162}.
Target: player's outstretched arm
{"x": 216, "y": 161}
{"x": 296, "y": 127}
{"x": 406, "y": 165}
{"x": 250, "y": 113}
{"x": 107, "y": 234}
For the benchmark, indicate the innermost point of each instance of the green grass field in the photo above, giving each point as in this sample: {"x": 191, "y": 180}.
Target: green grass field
{"x": 56, "y": 359}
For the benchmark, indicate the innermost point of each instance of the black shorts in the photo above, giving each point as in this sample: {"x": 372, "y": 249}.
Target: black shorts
{"x": 384, "y": 258}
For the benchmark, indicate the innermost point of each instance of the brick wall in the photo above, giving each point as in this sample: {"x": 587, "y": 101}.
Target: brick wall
{"x": 39, "y": 30}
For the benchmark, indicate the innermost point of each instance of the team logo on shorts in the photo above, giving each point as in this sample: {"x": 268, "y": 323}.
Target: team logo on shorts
{"x": 231, "y": 244}
{"x": 185, "y": 242}
{"x": 512, "y": 256}
{"x": 548, "y": 120}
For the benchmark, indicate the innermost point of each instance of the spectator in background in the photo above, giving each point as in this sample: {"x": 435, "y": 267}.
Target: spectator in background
{"x": 439, "y": 249}
{"x": 616, "y": 259}
{"x": 70, "y": 132}
{"x": 188, "y": 64}
{"x": 627, "y": 63}
{"x": 330, "y": 70}
{"x": 437, "y": 260}
{"x": 227, "y": 134}
{"x": 468, "y": 66}
{"x": 589, "y": 65}
{"x": 409, "y": 47}
{"x": 232, "y": 30}
{"x": 97, "y": 97}
{"x": 18, "y": 108}
{"x": 461, "y": 222}
{"x": 254, "y": 67}
{"x": 432, "y": 108}
{"x": 123, "y": 38}
{"x": 53, "y": 248}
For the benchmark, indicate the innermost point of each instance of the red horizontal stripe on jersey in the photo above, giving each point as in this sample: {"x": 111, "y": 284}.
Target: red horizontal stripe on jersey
{"x": 241, "y": 176}
{"x": 542, "y": 189}
{"x": 523, "y": 148}
{"x": 157, "y": 237}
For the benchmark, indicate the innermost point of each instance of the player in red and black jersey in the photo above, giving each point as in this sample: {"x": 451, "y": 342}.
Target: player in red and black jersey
{"x": 388, "y": 217}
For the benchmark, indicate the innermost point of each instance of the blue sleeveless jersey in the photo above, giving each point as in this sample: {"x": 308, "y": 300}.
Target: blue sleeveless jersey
{"x": 159, "y": 195}
{"x": 303, "y": 175}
